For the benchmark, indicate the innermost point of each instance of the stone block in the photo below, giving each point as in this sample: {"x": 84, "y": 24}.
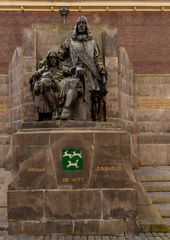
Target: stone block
{"x": 124, "y": 85}
{"x": 119, "y": 204}
{"x": 48, "y": 40}
{"x": 4, "y": 100}
{"x": 27, "y": 205}
{"x": 112, "y": 171}
{"x": 1, "y": 156}
{"x": 142, "y": 115}
{"x": 143, "y": 127}
{"x": 59, "y": 227}
{"x": 4, "y": 78}
{"x": 110, "y": 138}
{"x": 15, "y": 126}
{"x": 68, "y": 139}
{"x": 35, "y": 172}
{"x": 157, "y": 127}
{"x": 151, "y": 138}
{"x": 142, "y": 90}
{"x": 15, "y": 88}
{"x": 110, "y": 42}
{"x": 17, "y": 57}
{"x": 112, "y": 110}
{"x": 31, "y": 139}
{"x": 4, "y": 90}
{"x": 29, "y": 42}
{"x": 29, "y": 112}
{"x": 112, "y": 68}
{"x": 14, "y": 227}
{"x": 130, "y": 227}
{"x": 4, "y": 115}
{"x": 78, "y": 204}
{"x": 15, "y": 100}
{"x": 85, "y": 227}
{"x": 29, "y": 65}
{"x": 21, "y": 153}
{"x": 168, "y": 153}
{"x": 112, "y": 102}
{"x": 26, "y": 97}
{"x": 16, "y": 113}
{"x": 112, "y": 227}
{"x": 152, "y": 154}
{"x": 33, "y": 228}
{"x": 26, "y": 77}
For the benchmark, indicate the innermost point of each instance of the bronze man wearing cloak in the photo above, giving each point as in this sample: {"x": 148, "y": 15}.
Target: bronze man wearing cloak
{"x": 83, "y": 51}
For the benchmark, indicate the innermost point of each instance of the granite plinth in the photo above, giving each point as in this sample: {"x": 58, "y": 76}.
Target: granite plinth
{"x": 97, "y": 197}
{"x": 115, "y": 123}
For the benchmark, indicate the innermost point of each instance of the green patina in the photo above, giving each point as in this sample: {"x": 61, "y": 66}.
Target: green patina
{"x": 72, "y": 159}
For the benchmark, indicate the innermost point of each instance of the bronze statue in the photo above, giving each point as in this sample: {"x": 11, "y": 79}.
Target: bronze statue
{"x": 75, "y": 72}
{"x": 83, "y": 51}
{"x": 55, "y": 87}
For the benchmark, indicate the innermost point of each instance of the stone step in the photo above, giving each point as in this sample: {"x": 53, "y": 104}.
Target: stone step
{"x": 5, "y": 179}
{"x": 164, "y": 209}
{"x": 167, "y": 221}
{"x": 153, "y": 174}
{"x": 156, "y": 186}
{"x": 3, "y": 218}
{"x": 160, "y": 197}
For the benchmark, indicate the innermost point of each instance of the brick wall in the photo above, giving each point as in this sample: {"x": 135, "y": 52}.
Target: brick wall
{"x": 145, "y": 35}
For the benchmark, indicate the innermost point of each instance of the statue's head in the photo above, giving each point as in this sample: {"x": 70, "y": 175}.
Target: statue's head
{"x": 81, "y": 28}
{"x": 52, "y": 58}
{"x": 81, "y": 25}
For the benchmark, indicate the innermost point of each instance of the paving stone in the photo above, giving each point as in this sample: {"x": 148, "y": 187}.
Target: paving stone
{"x": 41, "y": 238}
{"x": 75, "y": 238}
{"x": 53, "y": 238}
{"x": 113, "y": 238}
{"x": 26, "y": 237}
{"x": 14, "y": 237}
{"x": 143, "y": 236}
{"x": 98, "y": 238}
{"x": 91, "y": 238}
{"x": 137, "y": 238}
{"x": 155, "y": 234}
{"x": 83, "y": 238}
{"x": 105, "y": 238}
{"x": 62, "y": 238}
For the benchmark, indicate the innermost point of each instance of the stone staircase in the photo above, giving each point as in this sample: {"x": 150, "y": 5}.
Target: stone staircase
{"x": 156, "y": 181}
{"x": 5, "y": 179}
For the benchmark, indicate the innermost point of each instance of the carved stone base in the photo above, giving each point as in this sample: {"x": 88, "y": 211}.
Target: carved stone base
{"x": 72, "y": 181}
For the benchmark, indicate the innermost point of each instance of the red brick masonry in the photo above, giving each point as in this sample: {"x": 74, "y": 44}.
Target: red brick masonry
{"x": 146, "y": 35}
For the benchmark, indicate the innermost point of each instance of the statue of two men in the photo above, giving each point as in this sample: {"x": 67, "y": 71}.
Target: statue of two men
{"x": 67, "y": 75}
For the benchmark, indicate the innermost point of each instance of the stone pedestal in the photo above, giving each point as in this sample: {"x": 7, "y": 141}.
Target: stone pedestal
{"x": 95, "y": 195}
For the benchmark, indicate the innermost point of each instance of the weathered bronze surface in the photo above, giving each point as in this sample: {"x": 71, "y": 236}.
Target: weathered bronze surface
{"x": 72, "y": 76}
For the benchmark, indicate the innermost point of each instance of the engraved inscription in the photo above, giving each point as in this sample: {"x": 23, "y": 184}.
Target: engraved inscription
{"x": 160, "y": 102}
{"x": 36, "y": 170}
{"x": 73, "y": 180}
{"x": 109, "y": 168}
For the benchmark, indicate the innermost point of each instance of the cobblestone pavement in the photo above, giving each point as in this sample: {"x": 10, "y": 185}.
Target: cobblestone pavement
{"x": 142, "y": 236}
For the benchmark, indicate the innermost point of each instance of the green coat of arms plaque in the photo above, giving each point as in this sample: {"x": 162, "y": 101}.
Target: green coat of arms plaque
{"x": 72, "y": 159}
